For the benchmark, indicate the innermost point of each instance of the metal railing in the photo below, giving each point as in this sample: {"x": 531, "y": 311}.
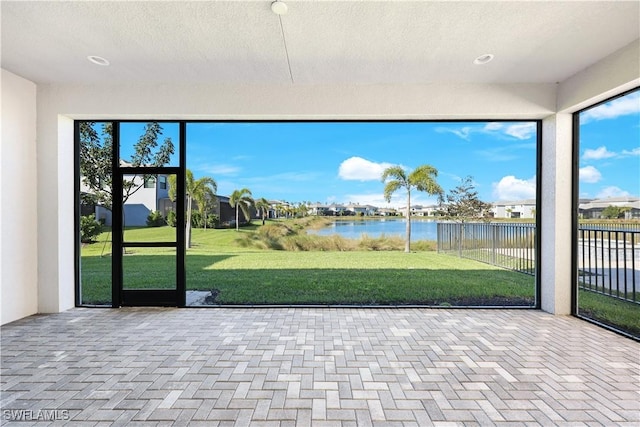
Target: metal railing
{"x": 612, "y": 226}
{"x": 609, "y": 261}
{"x": 506, "y": 245}
{"x": 608, "y": 253}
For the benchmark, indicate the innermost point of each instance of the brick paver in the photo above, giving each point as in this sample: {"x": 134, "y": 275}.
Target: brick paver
{"x": 315, "y": 366}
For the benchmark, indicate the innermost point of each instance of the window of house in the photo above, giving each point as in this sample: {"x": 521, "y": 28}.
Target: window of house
{"x": 162, "y": 182}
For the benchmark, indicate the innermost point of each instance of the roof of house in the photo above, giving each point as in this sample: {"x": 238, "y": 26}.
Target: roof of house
{"x": 523, "y": 202}
{"x": 611, "y": 201}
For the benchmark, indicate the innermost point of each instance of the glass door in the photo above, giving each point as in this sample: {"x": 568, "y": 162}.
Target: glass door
{"x": 148, "y": 254}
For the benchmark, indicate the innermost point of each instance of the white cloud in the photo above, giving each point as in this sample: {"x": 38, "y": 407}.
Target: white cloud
{"x": 218, "y": 169}
{"x": 598, "y": 153}
{"x": 589, "y": 174}
{"x": 359, "y": 169}
{"x": 512, "y": 188}
{"x": 629, "y": 104}
{"x": 634, "y": 152}
{"x": 521, "y": 130}
{"x": 464, "y": 132}
{"x": 493, "y": 126}
{"x": 612, "y": 191}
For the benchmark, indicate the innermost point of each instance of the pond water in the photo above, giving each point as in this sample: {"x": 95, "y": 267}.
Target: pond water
{"x": 355, "y": 228}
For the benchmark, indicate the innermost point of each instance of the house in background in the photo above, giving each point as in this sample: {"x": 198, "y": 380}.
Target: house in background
{"x": 317, "y": 209}
{"x": 226, "y": 214}
{"x": 221, "y": 208}
{"x": 592, "y": 209}
{"x": 278, "y": 209}
{"x": 387, "y": 212}
{"x": 419, "y": 210}
{"x": 361, "y": 210}
{"x": 149, "y": 194}
{"x": 525, "y": 209}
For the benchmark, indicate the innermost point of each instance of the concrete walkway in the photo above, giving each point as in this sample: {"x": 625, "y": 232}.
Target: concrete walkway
{"x": 320, "y": 367}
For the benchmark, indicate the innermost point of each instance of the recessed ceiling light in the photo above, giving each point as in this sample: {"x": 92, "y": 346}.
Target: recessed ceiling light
{"x": 483, "y": 59}
{"x": 98, "y": 60}
{"x": 279, "y": 7}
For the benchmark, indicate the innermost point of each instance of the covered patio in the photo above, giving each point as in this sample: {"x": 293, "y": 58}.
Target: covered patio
{"x": 242, "y": 60}
{"x": 247, "y": 60}
{"x": 318, "y": 366}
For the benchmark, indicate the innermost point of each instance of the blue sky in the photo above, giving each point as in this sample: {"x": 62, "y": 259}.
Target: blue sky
{"x": 610, "y": 149}
{"x": 342, "y": 162}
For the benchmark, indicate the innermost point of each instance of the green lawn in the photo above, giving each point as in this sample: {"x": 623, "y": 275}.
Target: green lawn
{"x": 245, "y": 275}
{"x": 252, "y": 276}
{"x": 614, "y": 312}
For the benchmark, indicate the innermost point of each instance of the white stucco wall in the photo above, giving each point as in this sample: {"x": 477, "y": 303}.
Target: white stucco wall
{"x": 140, "y": 204}
{"x": 610, "y": 76}
{"x": 429, "y": 101}
{"x": 18, "y": 206}
{"x": 58, "y": 105}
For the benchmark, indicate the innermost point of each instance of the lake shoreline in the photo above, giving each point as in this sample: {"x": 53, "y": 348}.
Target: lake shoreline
{"x": 357, "y": 228}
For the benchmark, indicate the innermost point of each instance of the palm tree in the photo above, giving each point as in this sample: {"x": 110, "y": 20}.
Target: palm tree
{"x": 423, "y": 178}
{"x": 194, "y": 190}
{"x": 241, "y": 198}
{"x": 263, "y": 205}
{"x": 204, "y": 193}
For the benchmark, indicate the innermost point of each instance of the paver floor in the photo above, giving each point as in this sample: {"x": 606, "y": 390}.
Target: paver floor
{"x": 315, "y": 366}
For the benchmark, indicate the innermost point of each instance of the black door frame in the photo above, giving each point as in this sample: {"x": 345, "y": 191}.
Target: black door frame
{"x": 147, "y": 297}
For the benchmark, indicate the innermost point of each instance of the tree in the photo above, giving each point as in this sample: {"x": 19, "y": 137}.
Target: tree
{"x": 96, "y": 162}
{"x": 423, "y": 178}
{"x": 281, "y": 210}
{"x": 242, "y": 199}
{"x": 205, "y": 196}
{"x": 198, "y": 190}
{"x": 302, "y": 209}
{"x": 462, "y": 202}
{"x": 263, "y": 205}
{"x": 614, "y": 212}
{"x": 96, "y": 166}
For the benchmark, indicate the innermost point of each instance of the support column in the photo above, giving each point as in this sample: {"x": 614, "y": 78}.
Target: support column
{"x": 555, "y": 265}
{"x": 56, "y": 231}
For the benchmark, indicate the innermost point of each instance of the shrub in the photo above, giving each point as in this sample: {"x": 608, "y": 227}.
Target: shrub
{"x": 89, "y": 228}
{"x": 171, "y": 219}
{"x": 424, "y": 245}
{"x": 382, "y": 243}
{"x": 198, "y": 222}
{"x": 276, "y": 230}
{"x": 155, "y": 219}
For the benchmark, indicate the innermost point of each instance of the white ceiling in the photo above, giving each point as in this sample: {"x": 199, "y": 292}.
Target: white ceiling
{"x": 316, "y": 42}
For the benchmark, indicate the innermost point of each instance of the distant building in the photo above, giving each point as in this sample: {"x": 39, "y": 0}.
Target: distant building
{"x": 150, "y": 195}
{"x": 525, "y": 209}
{"x": 317, "y": 209}
{"x": 592, "y": 209}
{"x": 361, "y": 210}
{"x": 419, "y": 210}
{"x": 387, "y": 212}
